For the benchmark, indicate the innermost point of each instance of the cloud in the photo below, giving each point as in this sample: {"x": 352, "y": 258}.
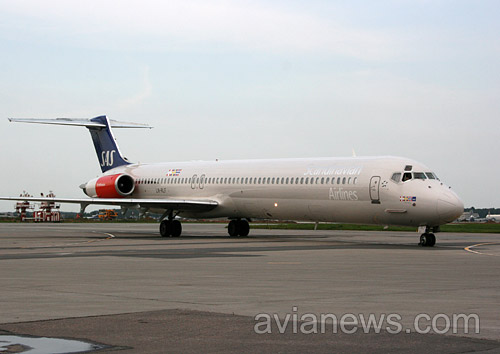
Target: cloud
{"x": 187, "y": 24}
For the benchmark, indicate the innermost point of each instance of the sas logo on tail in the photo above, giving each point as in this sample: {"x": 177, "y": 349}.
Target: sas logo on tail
{"x": 107, "y": 158}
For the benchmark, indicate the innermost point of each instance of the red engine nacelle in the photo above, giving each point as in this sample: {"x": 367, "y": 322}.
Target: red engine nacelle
{"x": 112, "y": 186}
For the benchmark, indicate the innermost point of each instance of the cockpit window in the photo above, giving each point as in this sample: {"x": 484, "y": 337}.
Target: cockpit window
{"x": 431, "y": 175}
{"x": 419, "y": 175}
{"x": 396, "y": 177}
{"x": 406, "y": 176}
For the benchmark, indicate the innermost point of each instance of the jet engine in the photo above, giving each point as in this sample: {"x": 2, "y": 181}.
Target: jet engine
{"x": 111, "y": 186}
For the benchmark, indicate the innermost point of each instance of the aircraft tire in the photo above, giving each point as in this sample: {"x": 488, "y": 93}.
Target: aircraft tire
{"x": 166, "y": 228}
{"x": 423, "y": 240}
{"x": 232, "y": 228}
{"x": 431, "y": 240}
{"x": 243, "y": 228}
{"x": 176, "y": 228}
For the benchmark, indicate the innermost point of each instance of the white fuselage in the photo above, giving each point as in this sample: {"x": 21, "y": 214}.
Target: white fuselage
{"x": 493, "y": 217}
{"x": 354, "y": 190}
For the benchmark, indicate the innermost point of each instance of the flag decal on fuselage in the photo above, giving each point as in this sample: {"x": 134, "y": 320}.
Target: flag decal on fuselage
{"x": 174, "y": 172}
{"x": 405, "y": 198}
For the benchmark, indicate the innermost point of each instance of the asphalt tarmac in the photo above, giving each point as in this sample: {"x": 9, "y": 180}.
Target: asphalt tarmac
{"x": 128, "y": 290}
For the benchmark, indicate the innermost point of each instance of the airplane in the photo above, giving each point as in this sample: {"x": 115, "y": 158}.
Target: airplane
{"x": 492, "y": 217}
{"x": 381, "y": 190}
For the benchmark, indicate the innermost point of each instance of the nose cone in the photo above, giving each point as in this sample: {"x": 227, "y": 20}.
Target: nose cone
{"x": 449, "y": 207}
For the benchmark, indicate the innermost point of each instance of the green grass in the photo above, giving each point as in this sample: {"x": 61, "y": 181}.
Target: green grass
{"x": 470, "y": 228}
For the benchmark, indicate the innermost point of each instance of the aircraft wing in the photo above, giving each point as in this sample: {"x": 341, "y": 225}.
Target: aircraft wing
{"x": 174, "y": 204}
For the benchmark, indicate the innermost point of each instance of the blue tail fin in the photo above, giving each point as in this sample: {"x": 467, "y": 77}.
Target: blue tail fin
{"x": 107, "y": 150}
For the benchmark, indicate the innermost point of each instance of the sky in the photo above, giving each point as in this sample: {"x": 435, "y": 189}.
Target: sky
{"x": 251, "y": 79}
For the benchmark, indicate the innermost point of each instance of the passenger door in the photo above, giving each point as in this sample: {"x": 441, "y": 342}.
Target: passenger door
{"x": 375, "y": 189}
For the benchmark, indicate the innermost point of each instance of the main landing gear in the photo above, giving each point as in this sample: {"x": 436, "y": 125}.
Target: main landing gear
{"x": 238, "y": 227}
{"x": 427, "y": 240}
{"x": 170, "y": 227}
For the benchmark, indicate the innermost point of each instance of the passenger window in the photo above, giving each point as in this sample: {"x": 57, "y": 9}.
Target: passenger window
{"x": 338, "y": 180}
{"x": 406, "y": 176}
{"x": 396, "y": 177}
{"x": 307, "y": 180}
{"x": 302, "y": 180}
{"x": 349, "y": 180}
{"x": 322, "y": 180}
{"x": 355, "y": 180}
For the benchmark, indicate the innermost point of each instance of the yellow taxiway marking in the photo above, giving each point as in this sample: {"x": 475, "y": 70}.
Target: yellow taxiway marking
{"x": 110, "y": 236}
{"x": 469, "y": 248}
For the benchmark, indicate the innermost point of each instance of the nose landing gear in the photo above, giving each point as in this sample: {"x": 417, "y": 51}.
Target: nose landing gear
{"x": 427, "y": 240}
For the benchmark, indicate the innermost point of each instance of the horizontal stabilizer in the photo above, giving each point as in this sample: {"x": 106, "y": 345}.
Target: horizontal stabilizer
{"x": 80, "y": 122}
